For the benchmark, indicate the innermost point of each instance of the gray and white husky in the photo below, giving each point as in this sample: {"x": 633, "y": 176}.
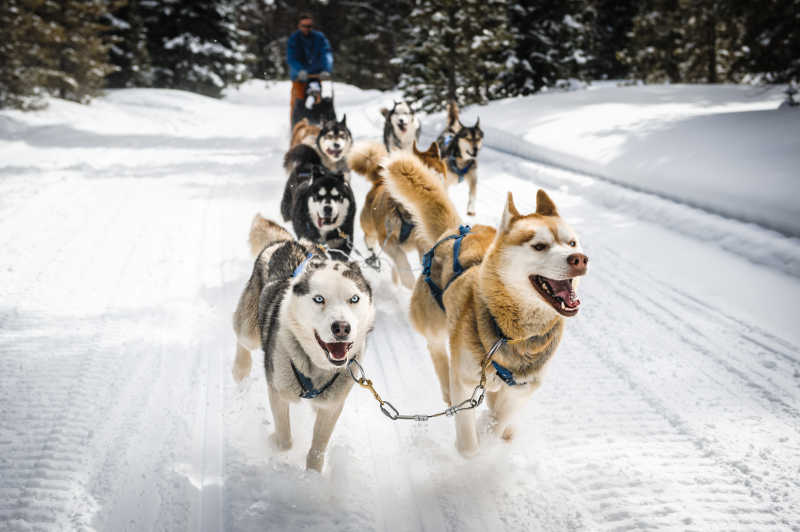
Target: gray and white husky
{"x": 311, "y": 316}
{"x": 401, "y": 128}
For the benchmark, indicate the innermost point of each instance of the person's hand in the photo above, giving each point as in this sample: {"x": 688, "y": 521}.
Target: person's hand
{"x": 302, "y": 76}
{"x": 324, "y": 75}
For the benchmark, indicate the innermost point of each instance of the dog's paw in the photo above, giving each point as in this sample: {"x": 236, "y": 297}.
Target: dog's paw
{"x": 471, "y": 212}
{"x": 508, "y": 433}
{"x": 315, "y": 460}
{"x": 467, "y": 449}
{"x": 280, "y": 443}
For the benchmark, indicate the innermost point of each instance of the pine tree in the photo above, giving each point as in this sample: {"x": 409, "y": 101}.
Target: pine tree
{"x": 454, "y": 50}
{"x": 128, "y": 52}
{"x": 195, "y": 45}
{"x": 772, "y": 39}
{"x": 654, "y": 50}
{"x": 23, "y": 72}
{"x": 611, "y": 24}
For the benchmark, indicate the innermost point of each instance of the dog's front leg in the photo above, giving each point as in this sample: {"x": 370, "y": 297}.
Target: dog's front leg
{"x": 503, "y": 406}
{"x": 243, "y": 363}
{"x": 280, "y": 415}
{"x": 472, "y": 179}
{"x": 323, "y": 428}
{"x": 466, "y": 434}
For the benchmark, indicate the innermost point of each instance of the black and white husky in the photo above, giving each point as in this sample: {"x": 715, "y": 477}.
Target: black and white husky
{"x": 401, "y": 127}
{"x": 329, "y": 149}
{"x": 311, "y": 316}
{"x": 459, "y": 146}
{"x": 321, "y": 206}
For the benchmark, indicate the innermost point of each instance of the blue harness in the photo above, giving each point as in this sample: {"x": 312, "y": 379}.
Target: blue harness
{"x": 453, "y": 165}
{"x": 460, "y": 172}
{"x": 405, "y": 230}
{"x": 458, "y": 269}
{"x": 309, "y": 392}
{"x": 503, "y": 373}
{"x": 300, "y": 267}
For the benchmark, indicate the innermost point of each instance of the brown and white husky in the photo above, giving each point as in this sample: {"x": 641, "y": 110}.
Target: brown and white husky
{"x": 518, "y": 283}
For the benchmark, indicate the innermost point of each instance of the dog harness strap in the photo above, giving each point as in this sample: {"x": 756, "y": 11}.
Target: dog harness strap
{"x": 405, "y": 230}
{"x": 300, "y": 267}
{"x": 309, "y": 392}
{"x": 503, "y": 373}
{"x": 460, "y": 172}
{"x": 458, "y": 269}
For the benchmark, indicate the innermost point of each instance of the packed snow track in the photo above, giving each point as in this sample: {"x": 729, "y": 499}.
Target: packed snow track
{"x": 673, "y": 402}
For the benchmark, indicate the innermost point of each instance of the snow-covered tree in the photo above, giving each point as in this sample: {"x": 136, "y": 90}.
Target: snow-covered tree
{"x": 195, "y": 45}
{"x": 23, "y": 73}
{"x": 772, "y": 39}
{"x": 454, "y": 50}
{"x": 128, "y": 52}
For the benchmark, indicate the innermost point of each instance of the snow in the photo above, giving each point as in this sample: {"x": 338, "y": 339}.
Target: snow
{"x": 672, "y": 403}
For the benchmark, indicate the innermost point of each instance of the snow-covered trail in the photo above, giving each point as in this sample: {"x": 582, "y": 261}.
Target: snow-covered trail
{"x": 673, "y": 402}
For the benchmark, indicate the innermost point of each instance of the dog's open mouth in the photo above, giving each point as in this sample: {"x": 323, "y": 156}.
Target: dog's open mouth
{"x": 327, "y": 220}
{"x": 402, "y": 127}
{"x": 334, "y": 154}
{"x": 559, "y": 293}
{"x": 336, "y": 351}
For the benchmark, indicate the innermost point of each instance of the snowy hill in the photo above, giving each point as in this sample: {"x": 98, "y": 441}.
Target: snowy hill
{"x": 670, "y": 405}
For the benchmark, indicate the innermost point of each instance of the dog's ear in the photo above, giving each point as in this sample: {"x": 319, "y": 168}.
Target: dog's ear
{"x": 416, "y": 150}
{"x": 433, "y": 150}
{"x": 344, "y": 120}
{"x": 544, "y": 205}
{"x": 385, "y": 112}
{"x": 477, "y": 123}
{"x": 509, "y": 213}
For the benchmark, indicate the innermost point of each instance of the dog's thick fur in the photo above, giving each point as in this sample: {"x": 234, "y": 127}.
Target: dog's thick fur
{"x": 282, "y": 314}
{"x": 401, "y": 128}
{"x": 382, "y": 218}
{"x": 501, "y": 267}
{"x": 321, "y": 206}
{"x": 459, "y": 146}
{"x": 330, "y": 146}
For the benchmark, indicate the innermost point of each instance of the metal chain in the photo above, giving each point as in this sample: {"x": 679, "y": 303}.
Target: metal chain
{"x": 392, "y": 413}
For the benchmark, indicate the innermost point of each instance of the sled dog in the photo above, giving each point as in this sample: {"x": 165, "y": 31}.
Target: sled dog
{"x": 311, "y": 316}
{"x": 459, "y": 146}
{"x": 386, "y": 224}
{"x": 321, "y": 206}
{"x": 329, "y": 148}
{"x": 401, "y": 127}
{"x": 516, "y": 282}
{"x": 316, "y": 108}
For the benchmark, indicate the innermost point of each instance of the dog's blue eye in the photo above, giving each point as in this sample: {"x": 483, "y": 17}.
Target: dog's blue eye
{"x": 573, "y": 243}
{"x": 319, "y": 299}
{"x": 354, "y": 299}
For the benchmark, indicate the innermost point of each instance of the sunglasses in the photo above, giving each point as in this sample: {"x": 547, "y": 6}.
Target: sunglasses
{"x": 304, "y": 26}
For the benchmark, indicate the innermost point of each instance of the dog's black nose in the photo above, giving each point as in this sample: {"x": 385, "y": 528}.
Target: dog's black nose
{"x": 340, "y": 329}
{"x": 335, "y": 145}
{"x": 327, "y": 210}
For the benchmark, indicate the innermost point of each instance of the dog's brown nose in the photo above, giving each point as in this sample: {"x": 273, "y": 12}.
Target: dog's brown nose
{"x": 578, "y": 263}
{"x": 340, "y": 329}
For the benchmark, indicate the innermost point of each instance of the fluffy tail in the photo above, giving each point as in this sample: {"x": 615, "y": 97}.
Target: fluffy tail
{"x": 452, "y": 113}
{"x": 298, "y": 155}
{"x": 421, "y": 192}
{"x": 265, "y": 232}
{"x": 364, "y": 159}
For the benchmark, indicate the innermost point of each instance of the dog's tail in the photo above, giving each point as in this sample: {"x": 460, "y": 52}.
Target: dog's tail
{"x": 298, "y": 155}
{"x": 422, "y": 193}
{"x": 265, "y": 232}
{"x": 452, "y": 113}
{"x": 364, "y": 159}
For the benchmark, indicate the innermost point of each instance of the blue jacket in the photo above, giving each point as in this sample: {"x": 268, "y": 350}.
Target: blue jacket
{"x": 312, "y": 54}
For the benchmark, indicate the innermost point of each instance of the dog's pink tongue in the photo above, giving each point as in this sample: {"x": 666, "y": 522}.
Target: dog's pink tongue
{"x": 563, "y": 289}
{"x": 338, "y": 350}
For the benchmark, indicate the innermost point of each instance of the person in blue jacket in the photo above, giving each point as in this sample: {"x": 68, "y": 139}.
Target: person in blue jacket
{"x": 308, "y": 52}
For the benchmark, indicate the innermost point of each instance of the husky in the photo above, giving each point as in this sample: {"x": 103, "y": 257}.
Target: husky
{"x": 316, "y": 109}
{"x": 401, "y": 128}
{"x": 311, "y": 316}
{"x": 321, "y": 206}
{"x": 515, "y": 284}
{"x": 459, "y": 146}
{"x": 329, "y": 148}
{"x": 386, "y": 224}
